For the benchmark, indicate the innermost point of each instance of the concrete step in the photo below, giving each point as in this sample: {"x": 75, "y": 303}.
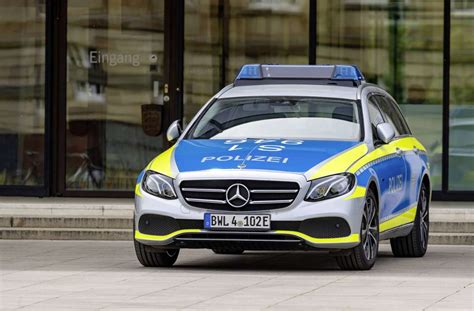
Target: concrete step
{"x": 126, "y": 223}
{"x": 452, "y": 226}
{"x": 65, "y": 234}
{"x": 451, "y": 238}
{"x": 100, "y": 222}
{"x": 19, "y": 233}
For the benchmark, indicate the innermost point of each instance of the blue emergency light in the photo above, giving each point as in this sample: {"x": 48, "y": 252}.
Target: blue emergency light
{"x": 301, "y": 72}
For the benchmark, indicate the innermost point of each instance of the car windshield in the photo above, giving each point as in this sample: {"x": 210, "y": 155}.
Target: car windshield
{"x": 278, "y": 118}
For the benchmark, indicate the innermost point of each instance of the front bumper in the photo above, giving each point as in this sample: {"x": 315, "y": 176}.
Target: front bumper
{"x": 327, "y": 224}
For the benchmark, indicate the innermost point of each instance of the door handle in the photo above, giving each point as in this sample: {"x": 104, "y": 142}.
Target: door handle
{"x": 398, "y": 151}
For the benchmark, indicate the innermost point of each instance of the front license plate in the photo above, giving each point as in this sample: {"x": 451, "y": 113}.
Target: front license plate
{"x": 231, "y": 221}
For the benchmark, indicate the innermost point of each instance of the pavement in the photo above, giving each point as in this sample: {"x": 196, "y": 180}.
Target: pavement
{"x": 93, "y": 275}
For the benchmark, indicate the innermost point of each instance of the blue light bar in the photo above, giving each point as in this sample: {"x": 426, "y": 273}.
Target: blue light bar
{"x": 303, "y": 72}
{"x": 347, "y": 72}
{"x": 252, "y": 71}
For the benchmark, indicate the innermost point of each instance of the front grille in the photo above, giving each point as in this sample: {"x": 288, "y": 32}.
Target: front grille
{"x": 264, "y": 194}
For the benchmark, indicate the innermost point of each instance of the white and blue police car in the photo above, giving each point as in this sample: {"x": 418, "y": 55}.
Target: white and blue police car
{"x": 288, "y": 158}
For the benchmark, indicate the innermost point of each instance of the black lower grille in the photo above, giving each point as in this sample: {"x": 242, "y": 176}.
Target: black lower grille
{"x": 162, "y": 225}
{"x": 325, "y": 227}
{"x": 239, "y": 241}
{"x": 263, "y": 194}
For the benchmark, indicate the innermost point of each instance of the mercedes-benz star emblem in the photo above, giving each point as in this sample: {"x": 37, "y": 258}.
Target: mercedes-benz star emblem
{"x": 237, "y": 195}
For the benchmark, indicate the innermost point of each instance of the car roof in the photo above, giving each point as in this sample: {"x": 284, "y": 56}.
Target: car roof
{"x": 325, "y": 91}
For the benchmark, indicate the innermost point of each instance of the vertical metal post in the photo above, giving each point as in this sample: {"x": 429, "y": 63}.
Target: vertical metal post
{"x": 446, "y": 72}
{"x": 313, "y": 32}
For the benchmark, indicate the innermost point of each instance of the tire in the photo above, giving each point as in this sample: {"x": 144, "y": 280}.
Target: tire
{"x": 155, "y": 259}
{"x": 228, "y": 251}
{"x": 416, "y": 243}
{"x": 363, "y": 256}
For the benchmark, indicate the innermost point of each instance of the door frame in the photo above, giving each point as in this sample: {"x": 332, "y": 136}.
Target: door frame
{"x": 172, "y": 110}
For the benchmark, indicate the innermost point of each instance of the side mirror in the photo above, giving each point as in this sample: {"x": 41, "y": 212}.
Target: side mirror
{"x": 385, "y": 132}
{"x": 174, "y": 131}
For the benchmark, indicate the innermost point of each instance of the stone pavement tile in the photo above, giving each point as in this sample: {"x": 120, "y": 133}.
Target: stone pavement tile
{"x": 221, "y": 307}
{"x": 249, "y": 297}
{"x": 365, "y": 303}
{"x": 140, "y": 306}
{"x": 65, "y": 303}
{"x": 14, "y": 300}
{"x": 461, "y": 299}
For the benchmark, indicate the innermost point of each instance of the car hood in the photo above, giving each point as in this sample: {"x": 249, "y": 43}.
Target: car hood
{"x": 297, "y": 156}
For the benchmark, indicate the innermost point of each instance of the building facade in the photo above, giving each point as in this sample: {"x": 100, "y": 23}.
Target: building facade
{"x": 88, "y": 88}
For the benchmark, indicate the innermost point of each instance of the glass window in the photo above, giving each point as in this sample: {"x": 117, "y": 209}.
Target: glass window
{"x": 392, "y": 115}
{"x": 202, "y": 54}
{"x": 22, "y": 105}
{"x": 461, "y": 117}
{"x": 115, "y": 78}
{"x": 277, "y": 118}
{"x": 267, "y": 31}
{"x": 375, "y": 117}
{"x": 398, "y": 45}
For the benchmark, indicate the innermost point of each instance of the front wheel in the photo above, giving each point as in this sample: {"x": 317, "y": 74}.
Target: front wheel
{"x": 416, "y": 243}
{"x": 363, "y": 256}
{"x": 148, "y": 258}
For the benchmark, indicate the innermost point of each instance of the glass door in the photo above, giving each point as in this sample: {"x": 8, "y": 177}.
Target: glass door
{"x": 116, "y": 94}
{"x": 22, "y": 98}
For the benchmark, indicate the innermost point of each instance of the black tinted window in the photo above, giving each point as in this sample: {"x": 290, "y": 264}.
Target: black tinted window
{"x": 375, "y": 117}
{"x": 392, "y": 115}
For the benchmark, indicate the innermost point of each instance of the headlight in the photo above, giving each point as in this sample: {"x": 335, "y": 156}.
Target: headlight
{"x": 330, "y": 187}
{"x": 159, "y": 185}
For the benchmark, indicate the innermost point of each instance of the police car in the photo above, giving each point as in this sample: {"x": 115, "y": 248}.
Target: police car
{"x": 288, "y": 158}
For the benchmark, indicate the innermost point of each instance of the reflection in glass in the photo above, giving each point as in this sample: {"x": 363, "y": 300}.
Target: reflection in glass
{"x": 22, "y": 110}
{"x": 461, "y": 117}
{"x": 398, "y": 45}
{"x": 115, "y": 70}
{"x": 202, "y": 54}
{"x": 267, "y": 32}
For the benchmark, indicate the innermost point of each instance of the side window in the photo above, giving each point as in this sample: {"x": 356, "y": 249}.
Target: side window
{"x": 375, "y": 117}
{"x": 392, "y": 115}
{"x": 405, "y": 128}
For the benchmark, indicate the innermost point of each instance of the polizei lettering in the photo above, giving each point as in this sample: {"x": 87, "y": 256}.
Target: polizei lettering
{"x": 265, "y": 145}
{"x": 226, "y": 158}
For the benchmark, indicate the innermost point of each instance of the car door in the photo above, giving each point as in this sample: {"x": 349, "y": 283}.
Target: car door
{"x": 390, "y": 167}
{"x": 411, "y": 154}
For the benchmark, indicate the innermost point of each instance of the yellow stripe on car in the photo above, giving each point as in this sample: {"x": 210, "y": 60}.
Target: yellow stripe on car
{"x": 138, "y": 192}
{"x": 404, "y": 144}
{"x": 341, "y": 162}
{"x": 353, "y": 238}
{"x": 358, "y": 193}
{"x": 162, "y": 163}
{"x": 149, "y": 237}
{"x": 399, "y": 220}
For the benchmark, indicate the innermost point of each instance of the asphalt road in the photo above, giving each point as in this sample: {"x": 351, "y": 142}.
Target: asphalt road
{"x": 68, "y": 275}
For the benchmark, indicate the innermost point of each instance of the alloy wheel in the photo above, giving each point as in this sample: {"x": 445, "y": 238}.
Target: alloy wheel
{"x": 370, "y": 229}
{"x": 424, "y": 218}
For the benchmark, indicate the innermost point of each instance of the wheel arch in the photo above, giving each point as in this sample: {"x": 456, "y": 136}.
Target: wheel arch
{"x": 425, "y": 180}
